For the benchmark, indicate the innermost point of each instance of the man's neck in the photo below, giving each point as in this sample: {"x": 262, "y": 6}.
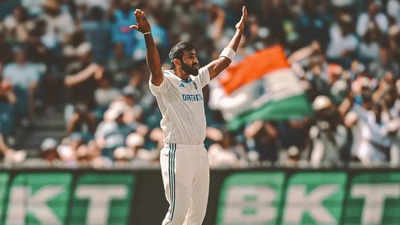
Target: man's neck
{"x": 181, "y": 74}
{"x": 21, "y": 64}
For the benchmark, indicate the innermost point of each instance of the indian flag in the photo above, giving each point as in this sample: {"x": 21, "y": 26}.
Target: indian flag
{"x": 260, "y": 87}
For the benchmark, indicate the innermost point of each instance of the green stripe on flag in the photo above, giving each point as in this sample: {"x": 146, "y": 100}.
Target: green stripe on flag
{"x": 288, "y": 108}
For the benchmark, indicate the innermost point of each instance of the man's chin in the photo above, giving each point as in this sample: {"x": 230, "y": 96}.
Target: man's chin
{"x": 192, "y": 71}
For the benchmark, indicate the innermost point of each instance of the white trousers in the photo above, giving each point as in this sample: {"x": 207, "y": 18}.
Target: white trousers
{"x": 185, "y": 173}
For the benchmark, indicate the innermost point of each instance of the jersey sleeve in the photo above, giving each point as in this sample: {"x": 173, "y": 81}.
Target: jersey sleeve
{"x": 203, "y": 78}
{"x": 162, "y": 88}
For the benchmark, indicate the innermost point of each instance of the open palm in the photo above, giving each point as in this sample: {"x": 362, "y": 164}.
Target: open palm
{"x": 240, "y": 25}
{"x": 142, "y": 23}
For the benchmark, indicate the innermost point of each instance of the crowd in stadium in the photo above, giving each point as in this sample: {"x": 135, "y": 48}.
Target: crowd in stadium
{"x": 80, "y": 57}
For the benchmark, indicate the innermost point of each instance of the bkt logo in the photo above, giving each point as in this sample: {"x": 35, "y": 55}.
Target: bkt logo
{"x": 310, "y": 198}
{"x": 46, "y": 200}
{"x": 26, "y": 203}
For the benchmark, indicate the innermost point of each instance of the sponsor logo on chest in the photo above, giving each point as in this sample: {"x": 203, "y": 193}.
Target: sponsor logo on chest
{"x": 192, "y": 97}
{"x": 195, "y": 96}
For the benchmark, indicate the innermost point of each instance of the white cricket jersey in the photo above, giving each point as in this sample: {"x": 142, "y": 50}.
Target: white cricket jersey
{"x": 182, "y": 107}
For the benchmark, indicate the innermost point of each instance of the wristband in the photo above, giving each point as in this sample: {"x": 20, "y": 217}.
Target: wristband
{"x": 228, "y": 53}
{"x": 147, "y": 33}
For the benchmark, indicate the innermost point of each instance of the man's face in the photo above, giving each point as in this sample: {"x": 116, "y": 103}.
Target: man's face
{"x": 190, "y": 63}
{"x": 20, "y": 57}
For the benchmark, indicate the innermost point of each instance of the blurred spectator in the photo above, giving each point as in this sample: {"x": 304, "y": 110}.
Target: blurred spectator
{"x": 394, "y": 40}
{"x": 24, "y": 76}
{"x": 10, "y": 155}
{"x": 121, "y": 33}
{"x": 36, "y": 50}
{"x": 90, "y": 4}
{"x": 129, "y": 99}
{"x": 294, "y": 158}
{"x": 8, "y": 99}
{"x": 82, "y": 121}
{"x": 217, "y": 17}
{"x": 369, "y": 46}
{"x": 343, "y": 41}
{"x": 122, "y": 156}
{"x": 274, "y": 15}
{"x": 135, "y": 142}
{"x": 313, "y": 23}
{"x": 226, "y": 152}
{"x": 156, "y": 135}
{"x": 6, "y": 50}
{"x": 159, "y": 34}
{"x": 105, "y": 93}
{"x": 384, "y": 64}
{"x": 59, "y": 24}
{"x": 138, "y": 83}
{"x": 262, "y": 139}
{"x": 49, "y": 151}
{"x": 112, "y": 132}
{"x": 34, "y": 7}
{"x": 119, "y": 64}
{"x": 373, "y": 18}
{"x": 82, "y": 86}
{"x": 373, "y": 144}
{"x": 393, "y": 10}
{"x": 97, "y": 31}
{"x": 330, "y": 138}
{"x": 77, "y": 52}
{"x": 18, "y": 25}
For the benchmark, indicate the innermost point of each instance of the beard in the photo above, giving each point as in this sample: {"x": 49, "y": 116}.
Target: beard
{"x": 190, "y": 69}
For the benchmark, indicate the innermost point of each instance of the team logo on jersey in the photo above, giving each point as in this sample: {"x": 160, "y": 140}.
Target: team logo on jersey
{"x": 192, "y": 98}
{"x": 181, "y": 85}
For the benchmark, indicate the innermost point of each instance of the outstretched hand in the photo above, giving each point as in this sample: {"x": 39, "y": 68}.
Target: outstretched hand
{"x": 240, "y": 25}
{"x": 142, "y": 23}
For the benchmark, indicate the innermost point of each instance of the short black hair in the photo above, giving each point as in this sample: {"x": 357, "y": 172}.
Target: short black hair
{"x": 178, "y": 49}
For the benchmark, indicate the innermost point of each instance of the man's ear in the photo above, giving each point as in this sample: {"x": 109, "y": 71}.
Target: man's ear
{"x": 176, "y": 62}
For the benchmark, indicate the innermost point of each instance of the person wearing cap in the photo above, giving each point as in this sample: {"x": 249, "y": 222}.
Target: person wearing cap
{"x": 331, "y": 140}
{"x": 48, "y": 150}
{"x": 113, "y": 131}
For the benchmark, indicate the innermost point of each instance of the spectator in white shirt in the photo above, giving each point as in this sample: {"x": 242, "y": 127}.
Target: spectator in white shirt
{"x": 373, "y": 16}
{"x": 343, "y": 41}
{"x": 393, "y": 10}
{"x": 59, "y": 24}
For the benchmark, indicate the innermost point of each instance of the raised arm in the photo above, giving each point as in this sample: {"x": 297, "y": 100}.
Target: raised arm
{"x": 153, "y": 57}
{"x": 81, "y": 76}
{"x": 218, "y": 65}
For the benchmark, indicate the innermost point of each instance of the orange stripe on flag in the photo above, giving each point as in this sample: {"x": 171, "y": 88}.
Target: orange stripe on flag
{"x": 253, "y": 68}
